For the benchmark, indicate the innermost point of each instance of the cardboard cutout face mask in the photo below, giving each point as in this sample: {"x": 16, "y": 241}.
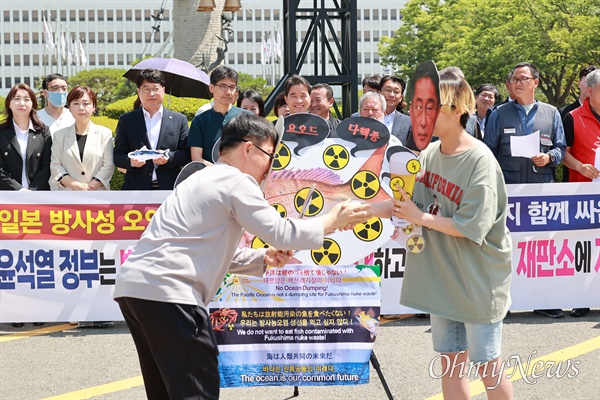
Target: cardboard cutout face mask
{"x": 424, "y": 95}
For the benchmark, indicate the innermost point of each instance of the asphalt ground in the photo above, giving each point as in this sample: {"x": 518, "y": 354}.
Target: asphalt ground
{"x": 58, "y": 361}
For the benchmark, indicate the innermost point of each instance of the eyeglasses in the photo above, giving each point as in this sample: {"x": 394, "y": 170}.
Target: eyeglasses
{"x": 271, "y": 155}
{"x": 524, "y": 79}
{"x": 58, "y": 88}
{"x": 225, "y": 88}
{"x": 389, "y": 91}
{"x": 148, "y": 90}
{"x": 429, "y": 110}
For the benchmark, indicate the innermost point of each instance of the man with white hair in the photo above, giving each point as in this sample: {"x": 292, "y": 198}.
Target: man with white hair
{"x": 372, "y": 105}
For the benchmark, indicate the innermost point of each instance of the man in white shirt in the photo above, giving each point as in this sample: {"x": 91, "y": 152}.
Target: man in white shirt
{"x": 55, "y": 115}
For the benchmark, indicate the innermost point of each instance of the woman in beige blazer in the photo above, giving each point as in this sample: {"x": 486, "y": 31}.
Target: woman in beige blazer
{"x": 82, "y": 154}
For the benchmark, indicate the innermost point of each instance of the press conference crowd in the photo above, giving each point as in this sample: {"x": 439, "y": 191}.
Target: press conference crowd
{"x": 60, "y": 148}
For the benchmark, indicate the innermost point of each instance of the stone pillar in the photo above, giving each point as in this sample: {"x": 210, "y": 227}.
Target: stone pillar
{"x": 196, "y": 35}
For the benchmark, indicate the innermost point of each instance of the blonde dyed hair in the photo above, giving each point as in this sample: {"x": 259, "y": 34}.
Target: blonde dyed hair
{"x": 456, "y": 94}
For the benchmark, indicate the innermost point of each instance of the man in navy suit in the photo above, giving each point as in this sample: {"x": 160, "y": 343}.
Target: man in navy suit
{"x": 157, "y": 128}
{"x": 392, "y": 88}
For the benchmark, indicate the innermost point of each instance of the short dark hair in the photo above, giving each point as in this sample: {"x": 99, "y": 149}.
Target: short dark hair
{"x": 325, "y": 86}
{"x": 585, "y": 71}
{"x": 254, "y": 96}
{"x": 394, "y": 79}
{"x": 424, "y": 70}
{"x": 50, "y": 78}
{"x": 78, "y": 92}
{"x": 373, "y": 81}
{"x": 488, "y": 87}
{"x": 247, "y": 126}
{"x": 532, "y": 68}
{"x": 295, "y": 80}
{"x": 150, "y": 75}
{"x": 279, "y": 101}
{"x": 222, "y": 72}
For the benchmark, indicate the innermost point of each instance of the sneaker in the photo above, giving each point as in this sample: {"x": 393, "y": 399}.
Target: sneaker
{"x": 17, "y": 324}
{"x": 553, "y": 313}
{"x": 38, "y": 323}
{"x": 579, "y": 312}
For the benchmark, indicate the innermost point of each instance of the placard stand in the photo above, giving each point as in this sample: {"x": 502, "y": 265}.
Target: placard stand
{"x": 377, "y": 367}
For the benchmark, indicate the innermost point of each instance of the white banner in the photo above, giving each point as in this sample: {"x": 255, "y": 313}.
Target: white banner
{"x": 59, "y": 251}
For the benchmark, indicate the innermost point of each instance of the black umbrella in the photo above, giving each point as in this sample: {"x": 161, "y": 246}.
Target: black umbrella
{"x": 182, "y": 78}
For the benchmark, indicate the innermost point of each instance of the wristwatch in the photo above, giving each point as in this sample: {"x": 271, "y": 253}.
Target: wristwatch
{"x": 552, "y": 158}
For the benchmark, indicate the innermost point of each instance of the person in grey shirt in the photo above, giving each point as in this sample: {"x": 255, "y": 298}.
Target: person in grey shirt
{"x": 190, "y": 244}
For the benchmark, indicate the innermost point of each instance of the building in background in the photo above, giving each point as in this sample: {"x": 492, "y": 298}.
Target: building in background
{"x": 114, "y": 33}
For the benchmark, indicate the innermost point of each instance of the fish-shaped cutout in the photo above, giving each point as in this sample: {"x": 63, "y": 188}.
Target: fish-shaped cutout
{"x": 283, "y": 186}
{"x": 145, "y": 154}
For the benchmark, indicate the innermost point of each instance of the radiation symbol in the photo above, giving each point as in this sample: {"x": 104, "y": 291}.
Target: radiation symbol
{"x": 329, "y": 254}
{"x": 365, "y": 184}
{"x": 415, "y": 244}
{"x": 370, "y": 230}
{"x": 282, "y": 158}
{"x": 395, "y": 182}
{"x": 280, "y": 209}
{"x": 336, "y": 157}
{"x": 413, "y": 166}
{"x": 257, "y": 243}
{"x": 408, "y": 229}
{"x": 316, "y": 203}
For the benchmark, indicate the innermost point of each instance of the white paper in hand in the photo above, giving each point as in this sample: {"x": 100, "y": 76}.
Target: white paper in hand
{"x": 525, "y": 146}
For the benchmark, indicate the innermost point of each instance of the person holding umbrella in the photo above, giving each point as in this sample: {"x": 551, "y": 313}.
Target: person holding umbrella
{"x": 156, "y": 128}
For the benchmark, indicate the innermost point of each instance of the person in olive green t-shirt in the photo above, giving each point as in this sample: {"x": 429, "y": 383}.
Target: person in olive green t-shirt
{"x": 462, "y": 277}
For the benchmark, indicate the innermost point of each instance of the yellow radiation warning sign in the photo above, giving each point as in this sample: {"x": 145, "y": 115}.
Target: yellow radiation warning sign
{"x": 316, "y": 201}
{"x": 280, "y": 209}
{"x": 365, "y": 184}
{"x": 370, "y": 230}
{"x": 415, "y": 244}
{"x": 282, "y": 158}
{"x": 413, "y": 166}
{"x": 408, "y": 229}
{"x": 257, "y": 243}
{"x": 336, "y": 157}
{"x": 329, "y": 254}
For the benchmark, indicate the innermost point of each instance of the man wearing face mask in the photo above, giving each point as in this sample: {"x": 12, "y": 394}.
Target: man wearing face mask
{"x": 55, "y": 116}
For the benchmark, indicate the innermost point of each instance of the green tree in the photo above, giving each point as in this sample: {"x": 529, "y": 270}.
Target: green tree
{"x": 247, "y": 82}
{"x": 108, "y": 84}
{"x": 486, "y": 39}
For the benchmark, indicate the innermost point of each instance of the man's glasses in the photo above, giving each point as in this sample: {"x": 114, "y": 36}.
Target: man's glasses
{"x": 148, "y": 90}
{"x": 271, "y": 155}
{"x": 524, "y": 79}
{"x": 389, "y": 91}
{"x": 58, "y": 88}
{"x": 225, "y": 88}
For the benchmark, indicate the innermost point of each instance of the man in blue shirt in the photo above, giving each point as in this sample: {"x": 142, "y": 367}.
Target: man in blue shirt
{"x": 206, "y": 127}
{"x": 521, "y": 117}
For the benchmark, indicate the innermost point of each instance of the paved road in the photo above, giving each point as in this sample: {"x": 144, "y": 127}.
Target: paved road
{"x": 102, "y": 364}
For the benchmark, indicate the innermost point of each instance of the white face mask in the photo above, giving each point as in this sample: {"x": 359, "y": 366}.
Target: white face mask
{"x": 57, "y": 99}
